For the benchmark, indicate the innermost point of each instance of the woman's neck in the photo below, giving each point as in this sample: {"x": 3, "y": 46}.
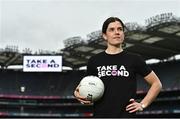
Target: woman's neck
{"x": 113, "y": 50}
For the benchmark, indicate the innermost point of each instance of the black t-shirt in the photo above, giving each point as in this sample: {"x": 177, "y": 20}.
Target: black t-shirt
{"x": 118, "y": 73}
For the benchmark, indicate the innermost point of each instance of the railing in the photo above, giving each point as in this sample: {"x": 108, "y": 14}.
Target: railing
{"x": 167, "y": 104}
{"x": 42, "y": 106}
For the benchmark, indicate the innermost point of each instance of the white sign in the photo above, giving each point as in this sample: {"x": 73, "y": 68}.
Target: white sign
{"x": 42, "y": 63}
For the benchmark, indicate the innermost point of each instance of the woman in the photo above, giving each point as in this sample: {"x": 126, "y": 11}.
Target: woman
{"x": 118, "y": 69}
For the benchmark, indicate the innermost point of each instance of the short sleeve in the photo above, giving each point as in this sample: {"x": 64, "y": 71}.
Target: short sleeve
{"x": 141, "y": 67}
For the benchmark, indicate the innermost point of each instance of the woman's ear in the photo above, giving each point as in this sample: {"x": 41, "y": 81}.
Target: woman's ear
{"x": 104, "y": 36}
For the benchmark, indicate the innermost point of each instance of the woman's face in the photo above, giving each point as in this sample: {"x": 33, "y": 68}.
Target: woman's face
{"x": 114, "y": 34}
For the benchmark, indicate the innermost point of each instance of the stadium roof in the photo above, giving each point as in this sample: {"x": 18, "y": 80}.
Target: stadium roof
{"x": 157, "y": 42}
{"x": 160, "y": 39}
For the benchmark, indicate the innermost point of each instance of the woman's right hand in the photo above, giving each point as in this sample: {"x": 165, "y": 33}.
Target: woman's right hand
{"x": 80, "y": 98}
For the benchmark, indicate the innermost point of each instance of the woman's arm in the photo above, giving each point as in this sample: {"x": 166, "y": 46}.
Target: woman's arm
{"x": 152, "y": 93}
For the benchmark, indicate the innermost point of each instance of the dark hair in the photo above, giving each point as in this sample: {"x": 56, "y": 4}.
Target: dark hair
{"x": 110, "y": 20}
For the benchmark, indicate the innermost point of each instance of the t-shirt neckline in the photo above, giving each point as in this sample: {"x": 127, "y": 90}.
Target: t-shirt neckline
{"x": 113, "y": 54}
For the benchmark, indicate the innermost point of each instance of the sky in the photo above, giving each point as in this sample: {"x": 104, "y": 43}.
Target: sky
{"x": 45, "y": 24}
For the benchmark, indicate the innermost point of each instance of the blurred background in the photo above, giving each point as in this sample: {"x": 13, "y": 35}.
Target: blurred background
{"x": 72, "y": 29}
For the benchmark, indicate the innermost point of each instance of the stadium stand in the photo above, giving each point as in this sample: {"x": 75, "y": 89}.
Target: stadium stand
{"x": 45, "y": 95}
{"x": 53, "y": 92}
{"x": 167, "y": 102}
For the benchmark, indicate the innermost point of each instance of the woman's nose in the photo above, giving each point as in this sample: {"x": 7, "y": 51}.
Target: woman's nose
{"x": 117, "y": 31}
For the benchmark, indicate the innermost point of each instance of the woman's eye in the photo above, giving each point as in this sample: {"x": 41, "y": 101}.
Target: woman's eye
{"x": 111, "y": 29}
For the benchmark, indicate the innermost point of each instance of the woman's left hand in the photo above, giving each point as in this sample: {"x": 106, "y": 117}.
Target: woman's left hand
{"x": 134, "y": 106}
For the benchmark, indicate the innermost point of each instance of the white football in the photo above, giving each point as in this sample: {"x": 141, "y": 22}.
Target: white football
{"x": 91, "y": 87}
